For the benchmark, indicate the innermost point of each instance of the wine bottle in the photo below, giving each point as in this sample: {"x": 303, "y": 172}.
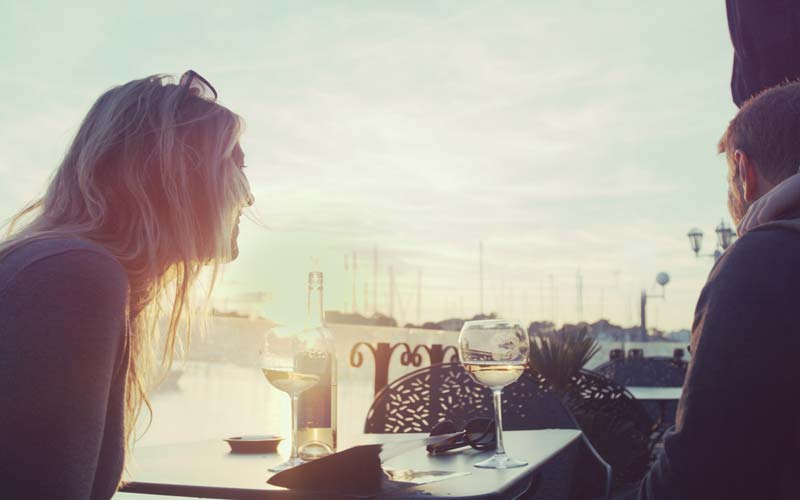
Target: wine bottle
{"x": 316, "y": 406}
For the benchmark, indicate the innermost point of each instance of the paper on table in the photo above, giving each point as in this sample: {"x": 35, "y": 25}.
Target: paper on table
{"x": 421, "y": 476}
{"x": 357, "y": 471}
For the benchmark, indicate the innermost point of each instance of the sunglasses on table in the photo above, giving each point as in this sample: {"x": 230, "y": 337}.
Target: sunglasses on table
{"x": 478, "y": 433}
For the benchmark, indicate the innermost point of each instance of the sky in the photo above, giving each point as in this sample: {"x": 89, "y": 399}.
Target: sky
{"x": 576, "y": 140}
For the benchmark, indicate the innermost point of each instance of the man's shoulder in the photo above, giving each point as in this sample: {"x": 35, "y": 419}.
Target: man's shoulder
{"x": 761, "y": 269}
{"x": 763, "y": 249}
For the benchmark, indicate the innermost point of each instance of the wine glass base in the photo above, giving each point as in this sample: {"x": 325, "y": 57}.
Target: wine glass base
{"x": 501, "y": 462}
{"x": 289, "y": 464}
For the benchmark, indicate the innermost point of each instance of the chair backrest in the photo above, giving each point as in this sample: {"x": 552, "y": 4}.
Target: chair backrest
{"x": 592, "y": 393}
{"x": 419, "y": 400}
{"x": 615, "y": 422}
{"x": 635, "y": 353}
{"x": 645, "y": 372}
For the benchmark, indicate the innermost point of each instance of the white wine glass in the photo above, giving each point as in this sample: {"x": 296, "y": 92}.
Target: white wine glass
{"x": 495, "y": 354}
{"x": 293, "y": 360}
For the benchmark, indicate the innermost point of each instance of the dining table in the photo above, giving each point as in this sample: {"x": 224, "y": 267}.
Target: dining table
{"x": 660, "y": 395}
{"x": 208, "y": 469}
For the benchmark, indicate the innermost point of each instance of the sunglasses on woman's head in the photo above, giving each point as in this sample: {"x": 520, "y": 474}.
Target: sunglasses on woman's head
{"x": 479, "y": 433}
{"x": 196, "y": 85}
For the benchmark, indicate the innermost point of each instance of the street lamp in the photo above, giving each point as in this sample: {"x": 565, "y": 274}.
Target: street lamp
{"x": 725, "y": 237}
{"x": 696, "y": 239}
{"x": 662, "y": 279}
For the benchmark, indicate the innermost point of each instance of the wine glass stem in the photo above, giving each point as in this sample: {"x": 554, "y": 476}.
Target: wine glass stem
{"x": 294, "y": 428}
{"x": 498, "y": 420}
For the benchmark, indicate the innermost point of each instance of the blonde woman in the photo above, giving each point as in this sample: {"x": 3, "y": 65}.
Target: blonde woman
{"x": 149, "y": 192}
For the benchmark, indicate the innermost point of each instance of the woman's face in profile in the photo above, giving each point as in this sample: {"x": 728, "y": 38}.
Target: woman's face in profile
{"x": 238, "y": 159}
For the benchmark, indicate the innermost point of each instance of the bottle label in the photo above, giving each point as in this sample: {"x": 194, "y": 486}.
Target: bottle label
{"x": 314, "y": 404}
{"x": 314, "y": 407}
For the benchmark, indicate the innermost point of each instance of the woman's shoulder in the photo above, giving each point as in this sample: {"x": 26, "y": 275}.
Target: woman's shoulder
{"x": 62, "y": 257}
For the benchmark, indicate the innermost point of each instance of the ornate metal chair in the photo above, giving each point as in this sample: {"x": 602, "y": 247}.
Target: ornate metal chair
{"x": 615, "y": 422}
{"x": 420, "y": 399}
{"x": 592, "y": 392}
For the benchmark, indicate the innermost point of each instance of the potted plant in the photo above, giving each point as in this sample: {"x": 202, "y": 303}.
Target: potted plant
{"x": 559, "y": 357}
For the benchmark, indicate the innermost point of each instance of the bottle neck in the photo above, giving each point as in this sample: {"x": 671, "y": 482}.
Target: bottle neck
{"x": 315, "y": 288}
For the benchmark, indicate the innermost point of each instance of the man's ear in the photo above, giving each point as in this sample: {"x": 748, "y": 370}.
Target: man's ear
{"x": 748, "y": 176}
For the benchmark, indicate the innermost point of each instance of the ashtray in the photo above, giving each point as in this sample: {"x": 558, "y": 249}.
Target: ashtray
{"x": 254, "y": 444}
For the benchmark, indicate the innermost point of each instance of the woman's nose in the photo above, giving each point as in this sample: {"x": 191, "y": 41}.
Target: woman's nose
{"x": 250, "y": 199}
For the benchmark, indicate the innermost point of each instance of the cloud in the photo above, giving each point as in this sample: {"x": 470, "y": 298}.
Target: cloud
{"x": 562, "y": 136}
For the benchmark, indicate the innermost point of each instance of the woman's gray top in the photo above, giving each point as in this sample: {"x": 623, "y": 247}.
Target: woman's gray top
{"x": 62, "y": 370}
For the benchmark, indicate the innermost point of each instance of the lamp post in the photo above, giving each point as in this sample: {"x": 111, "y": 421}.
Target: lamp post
{"x": 662, "y": 279}
{"x": 725, "y": 237}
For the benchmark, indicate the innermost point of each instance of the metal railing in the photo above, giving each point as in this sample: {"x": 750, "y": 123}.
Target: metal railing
{"x": 382, "y": 355}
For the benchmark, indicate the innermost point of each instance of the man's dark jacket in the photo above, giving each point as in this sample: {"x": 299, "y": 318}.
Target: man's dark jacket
{"x": 737, "y": 432}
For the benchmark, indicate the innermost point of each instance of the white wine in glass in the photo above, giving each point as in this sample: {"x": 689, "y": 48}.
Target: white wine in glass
{"x": 290, "y": 382}
{"x": 495, "y": 354}
{"x": 494, "y": 373}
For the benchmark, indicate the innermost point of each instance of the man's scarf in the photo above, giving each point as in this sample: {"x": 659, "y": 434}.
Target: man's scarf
{"x": 769, "y": 210}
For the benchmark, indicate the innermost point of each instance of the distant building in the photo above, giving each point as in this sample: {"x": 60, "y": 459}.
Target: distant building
{"x": 603, "y": 330}
{"x": 679, "y": 336}
{"x": 228, "y": 314}
{"x": 377, "y": 319}
{"x": 451, "y": 324}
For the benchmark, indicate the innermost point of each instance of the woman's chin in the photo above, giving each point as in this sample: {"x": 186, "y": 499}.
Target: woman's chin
{"x": 234, "y": 243}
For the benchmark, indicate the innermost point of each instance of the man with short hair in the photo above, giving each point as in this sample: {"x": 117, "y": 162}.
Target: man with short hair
{"x": 737, "y": 432}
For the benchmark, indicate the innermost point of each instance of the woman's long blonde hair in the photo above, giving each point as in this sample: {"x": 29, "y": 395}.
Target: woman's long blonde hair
{"x": 150, "y": 177}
